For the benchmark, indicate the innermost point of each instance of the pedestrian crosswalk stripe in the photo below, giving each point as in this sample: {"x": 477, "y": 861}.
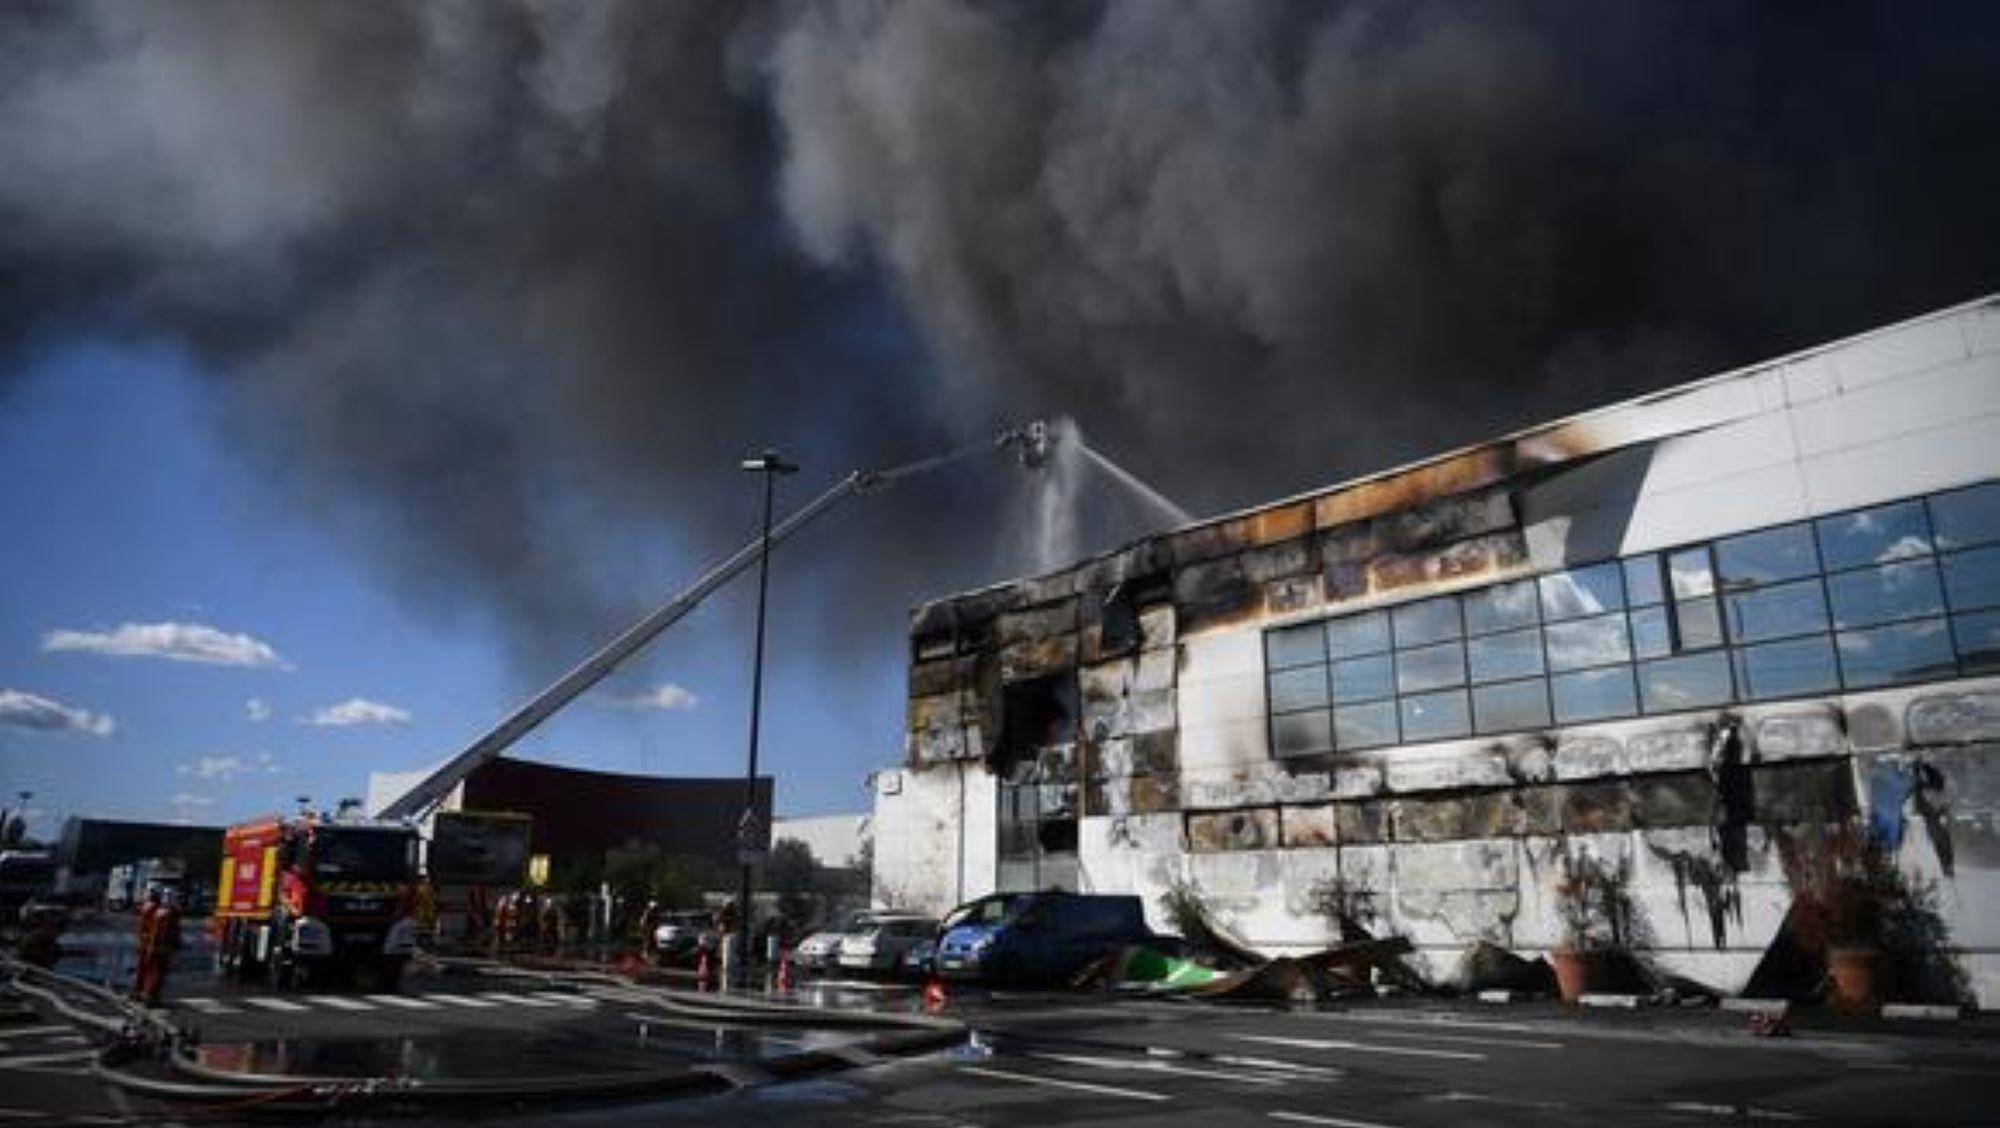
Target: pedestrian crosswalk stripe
{"x": 268, "y": 1002}
{"x": 208, "y": 1006}
{"x": 338, "y": 1002}
{"x": 584, "y": 1001}
{"x": 518, "y": 1000}
{"x": 405, "y": 1001}
{"x": 462, "y": 1000}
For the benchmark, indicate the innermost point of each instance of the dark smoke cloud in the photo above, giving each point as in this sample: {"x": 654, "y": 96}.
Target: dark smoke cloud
{"x": 488, "y": 281}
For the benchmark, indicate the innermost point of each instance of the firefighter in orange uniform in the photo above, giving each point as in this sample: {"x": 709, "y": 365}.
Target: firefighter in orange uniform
{"x": 159, "y": 939}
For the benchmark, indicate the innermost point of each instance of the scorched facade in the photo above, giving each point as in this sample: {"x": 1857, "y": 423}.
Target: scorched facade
{"x": 1664, "y": 636}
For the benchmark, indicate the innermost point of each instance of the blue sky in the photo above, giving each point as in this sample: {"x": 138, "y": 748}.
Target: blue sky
{"x": 129, "y": 510}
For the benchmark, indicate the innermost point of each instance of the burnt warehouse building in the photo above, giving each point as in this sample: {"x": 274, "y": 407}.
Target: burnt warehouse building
{"x": 1692, "y": 644}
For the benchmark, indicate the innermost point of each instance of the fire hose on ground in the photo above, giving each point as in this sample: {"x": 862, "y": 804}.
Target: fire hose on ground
{"x": 140, "y": 1037}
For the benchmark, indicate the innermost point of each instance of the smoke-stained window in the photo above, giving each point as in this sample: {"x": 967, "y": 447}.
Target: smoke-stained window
{"x": 1889, "y": 595}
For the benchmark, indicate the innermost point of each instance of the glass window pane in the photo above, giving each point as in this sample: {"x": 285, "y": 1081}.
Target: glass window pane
{"x": 1501, "y": 607}
{"x": 1362, "y": 679}
{"x": 1786, "y": 669}
{"x": 1582, "y": 591}
{"x": 1885, "y": 594}
{"x": 1365, "y": 726}
{"x": 1777, "y": 612}
{"x": 1689, "y": 573}
{"x": 1429, "y": 621}
{"x": 1593, "y": 695}
{"x": 1436, "y": 716}
{"x": 1430, "y": 667}
{"x": 1874, "y": 536}
{"x": 1968, "y": 516}
{"x": 1766, "y": 556}
{"x": 1650, "y": 637}
{"x": 1642, "y": 581}
{"x": 1904, "y": 652}
{"x": 1295, "y": 734}
{"x": 1503, "y": 657}
{"x": 1303, "y": 688}
{"x": 1972, "y": 579}
{"x": 1694, "y": 682}
{"x": 1358, "y": 634}
{"x": 1700, "y": 623}
{"x": 1295, "y": 646}
{"x": 1978, "y": 638}
{"x": 1510, "y": 707}
{"x": 1588, "y": 642}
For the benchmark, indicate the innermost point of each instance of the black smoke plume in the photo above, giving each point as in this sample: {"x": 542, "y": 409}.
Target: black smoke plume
{"x": 489, "y": 281}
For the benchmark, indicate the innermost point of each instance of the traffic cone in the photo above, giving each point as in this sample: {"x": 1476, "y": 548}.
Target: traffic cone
{"x": 785, "y": 971}
{"x": 934, "y": 998}
{"x": 701, "y": 971}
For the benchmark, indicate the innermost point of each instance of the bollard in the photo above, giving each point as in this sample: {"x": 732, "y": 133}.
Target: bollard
{"x": 701, "y": 970}
{"x": 934, "y": 997}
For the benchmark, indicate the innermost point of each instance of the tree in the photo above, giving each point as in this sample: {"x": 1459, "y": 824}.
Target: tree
{"x": 793, "y": 874}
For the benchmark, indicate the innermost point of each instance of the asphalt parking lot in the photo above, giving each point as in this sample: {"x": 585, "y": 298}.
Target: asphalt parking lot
{"x": 1037, "y": 1060}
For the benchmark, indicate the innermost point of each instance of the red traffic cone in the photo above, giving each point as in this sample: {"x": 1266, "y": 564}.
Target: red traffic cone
{"x": 934, "y": 997}
{"x": 701, "y": 970}
{"x": 785, "y": 971}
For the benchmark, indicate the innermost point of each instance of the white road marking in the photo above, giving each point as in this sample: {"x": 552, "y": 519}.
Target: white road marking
{"x": 24, "y": 1031}
{"x": 340, "y": 1002}
{"x": 273, "y": 1003}
{"x": 517, "y": 1000}
{"x": 561, "y": 999}
{"x": 461, "y": 1000}
{"x": 1160, "y": 1067}
{"x": 208, "y": 1006}
{"x": 1462, "y": 1040}
{"x": 22, "y": 1114}
{"x": 1059, "y": 1083}
{"x": 1357, "y": 1047}
{"x": 1281, "y": 1065}
{"x": 1445, "y": 1021}
{"x": 404, "y": 1001}
{"x": 1748, "y": 1112}
{"x": 1334, "y": 1121}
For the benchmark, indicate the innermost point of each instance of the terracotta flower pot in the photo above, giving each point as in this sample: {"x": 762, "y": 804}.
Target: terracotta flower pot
{"x": 1857, "y": 979}
{"x": 1576, "y": 972}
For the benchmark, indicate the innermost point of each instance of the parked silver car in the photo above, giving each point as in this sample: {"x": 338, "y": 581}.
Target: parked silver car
{"x": 882, "y": 943}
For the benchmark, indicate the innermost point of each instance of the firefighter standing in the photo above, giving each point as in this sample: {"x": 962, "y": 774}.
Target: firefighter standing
{"x": 159, "y": 939}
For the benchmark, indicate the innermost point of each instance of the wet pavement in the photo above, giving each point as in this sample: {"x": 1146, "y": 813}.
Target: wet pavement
{"x": 1039, "y": 1060}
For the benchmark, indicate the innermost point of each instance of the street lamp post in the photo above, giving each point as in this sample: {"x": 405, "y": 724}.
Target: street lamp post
{"x": 771, "y": 466}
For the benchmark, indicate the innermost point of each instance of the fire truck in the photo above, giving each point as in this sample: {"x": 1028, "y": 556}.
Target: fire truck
{"x": 313, "y": 898}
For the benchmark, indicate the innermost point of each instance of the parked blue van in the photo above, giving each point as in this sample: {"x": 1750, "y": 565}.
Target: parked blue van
{"x": 1039, "y": 938}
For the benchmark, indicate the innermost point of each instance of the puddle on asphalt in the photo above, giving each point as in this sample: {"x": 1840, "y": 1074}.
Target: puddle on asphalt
{"x": 475, "y": 1055}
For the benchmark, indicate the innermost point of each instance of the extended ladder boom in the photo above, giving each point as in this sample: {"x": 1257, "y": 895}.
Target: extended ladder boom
{"x": 434, "y": 787}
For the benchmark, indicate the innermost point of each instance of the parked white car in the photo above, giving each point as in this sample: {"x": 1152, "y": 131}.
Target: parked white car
{"x": 884, "y": 941}
{"x": 819, "y": 951}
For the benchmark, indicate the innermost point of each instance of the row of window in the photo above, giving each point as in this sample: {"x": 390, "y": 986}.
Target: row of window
{"x": 1897, "y": 593}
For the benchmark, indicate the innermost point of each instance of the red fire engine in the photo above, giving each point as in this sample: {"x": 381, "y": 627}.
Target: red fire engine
{"x": 308, "y": 898}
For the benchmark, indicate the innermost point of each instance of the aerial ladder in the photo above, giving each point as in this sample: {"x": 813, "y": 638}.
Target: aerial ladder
{"x": 1032, "y": 443}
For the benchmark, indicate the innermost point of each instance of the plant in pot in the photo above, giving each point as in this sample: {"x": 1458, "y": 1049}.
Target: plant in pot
{"x": 1848, "y": 895}
{"x": 1595, "y": 904}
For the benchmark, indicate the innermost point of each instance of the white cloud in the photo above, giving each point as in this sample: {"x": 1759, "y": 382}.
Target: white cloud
{"x": 39, "y": 714}
{"x": 225, "y": 768}
{"x": 176, "y": 642}
{"x": 258, "y": 710}
{"x": 667, "y": 696}
{"x": 358, "y": 711}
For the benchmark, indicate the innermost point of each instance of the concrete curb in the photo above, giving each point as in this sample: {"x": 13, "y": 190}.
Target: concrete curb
{"x": 1922, "y": 1012}
{"x": 1780, "y": 1007}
